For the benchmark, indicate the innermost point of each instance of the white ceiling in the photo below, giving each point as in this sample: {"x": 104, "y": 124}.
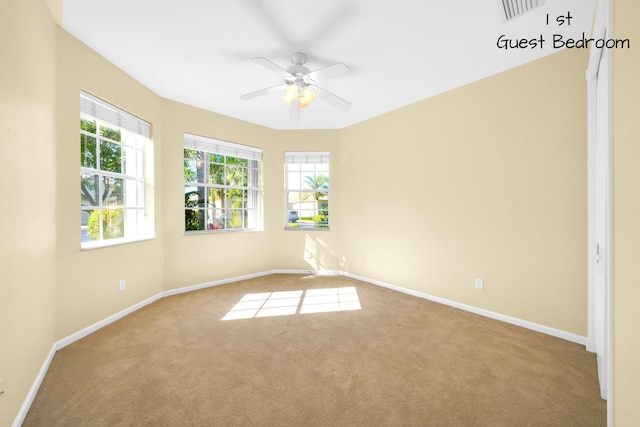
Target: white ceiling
{"x": 199, "y": 52}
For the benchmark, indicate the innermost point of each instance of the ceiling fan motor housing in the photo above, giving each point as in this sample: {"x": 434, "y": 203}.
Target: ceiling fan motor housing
{"x": 299, "y": 58}
{"x": 298, "y": 70}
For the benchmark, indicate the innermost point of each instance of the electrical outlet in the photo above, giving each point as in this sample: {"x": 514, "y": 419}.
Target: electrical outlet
{"x": 479, "y": 284}
{"x": 123, "y": 285}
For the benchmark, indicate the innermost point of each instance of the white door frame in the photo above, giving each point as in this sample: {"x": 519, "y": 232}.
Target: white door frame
{"x": 600, "y": 307}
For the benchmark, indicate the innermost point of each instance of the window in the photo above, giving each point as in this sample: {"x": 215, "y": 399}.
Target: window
{"x": 221, "y": 185}
{"x": 112, "y": 176}
{"x": 307, "y": 190}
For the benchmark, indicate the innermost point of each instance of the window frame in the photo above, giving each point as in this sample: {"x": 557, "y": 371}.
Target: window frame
{"x": 319, "y": 164}
{"x": 134, "y": 143}
{"x": 216, "y": 154}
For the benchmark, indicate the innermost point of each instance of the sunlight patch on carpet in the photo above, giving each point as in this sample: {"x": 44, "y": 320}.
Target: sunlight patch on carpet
{"x": 287, "y": 303}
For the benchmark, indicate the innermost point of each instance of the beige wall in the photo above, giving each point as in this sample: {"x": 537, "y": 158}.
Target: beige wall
{"x": 626, "y": 216}
{"x": 302, "y": 249}
{"x": 201, "y": 258}
{"x": 87, "y": 281}
{"x": 27, "y": 197}
{"x": 491, "y": 185}
{"x": 494, "y": 186}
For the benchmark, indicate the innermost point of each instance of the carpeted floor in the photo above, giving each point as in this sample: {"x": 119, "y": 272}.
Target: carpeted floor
{"x": 397, "y": 361}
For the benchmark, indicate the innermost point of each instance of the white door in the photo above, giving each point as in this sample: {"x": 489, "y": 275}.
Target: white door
{"x": 600, "y": 214}
{"x": 602, "y": 248}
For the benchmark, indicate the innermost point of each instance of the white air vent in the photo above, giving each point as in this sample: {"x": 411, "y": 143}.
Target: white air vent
{"x": 511, "y": 8}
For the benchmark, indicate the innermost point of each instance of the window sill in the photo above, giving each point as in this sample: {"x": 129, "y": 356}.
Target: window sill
{"x": 222, "y": 231}
{"x": 306, "y": 229}
{"x": 88, "y": 246}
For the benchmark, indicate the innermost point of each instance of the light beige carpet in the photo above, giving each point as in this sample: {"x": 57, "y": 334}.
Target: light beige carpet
{"x": 397, "y": 361}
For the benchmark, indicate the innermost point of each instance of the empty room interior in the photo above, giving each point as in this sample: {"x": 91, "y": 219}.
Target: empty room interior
{"x": 434, "y": 161}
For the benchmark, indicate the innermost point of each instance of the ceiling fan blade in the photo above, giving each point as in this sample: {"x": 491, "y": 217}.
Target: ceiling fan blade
{"x": 330, "y": 72}
{"x": 333, "y": 99}
{"x": 270, "y": 65}
{"x": 261, "y": 92}
{"x": 294, "y": 111}
{"x": 271, "y": 21}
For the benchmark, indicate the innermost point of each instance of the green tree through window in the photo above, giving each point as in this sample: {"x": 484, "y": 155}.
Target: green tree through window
{"x": 221, "y": 191}
{"x": 112, "y": 182}
{"x": 307, "y": 190}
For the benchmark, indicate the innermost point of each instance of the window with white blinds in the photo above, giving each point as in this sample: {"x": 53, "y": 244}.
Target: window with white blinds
{"x": 113, "y": 146}
{"x": 307, "y": 190}
{"x": 221, "y": 185}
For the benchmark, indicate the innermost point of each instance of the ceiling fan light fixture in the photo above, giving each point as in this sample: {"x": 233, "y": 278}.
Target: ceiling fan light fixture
{"x": 306, "y": 98}
{"x": 290, "y": 93}
{"x": 302, "y": 102}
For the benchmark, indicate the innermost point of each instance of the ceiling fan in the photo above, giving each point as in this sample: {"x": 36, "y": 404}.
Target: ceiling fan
{"x": 299, "y": 84}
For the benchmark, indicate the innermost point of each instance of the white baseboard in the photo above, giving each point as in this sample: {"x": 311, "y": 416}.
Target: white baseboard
{"x": 205, "y": 285}
{"x": 92, "y": 328}
{"x": 310, "y": 272}
{"x": 245, "y": 277}
{"x": 101, "y": 324}
{"x": 24, "y": 409}
{"x": 482, "y": 312}
{"x": 65, "y": 342}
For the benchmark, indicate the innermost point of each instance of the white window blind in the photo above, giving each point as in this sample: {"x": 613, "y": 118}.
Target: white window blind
{"x": 201, "y": 143}
{"x": 296, "y": 157}
{"x": 96, "y": 107}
